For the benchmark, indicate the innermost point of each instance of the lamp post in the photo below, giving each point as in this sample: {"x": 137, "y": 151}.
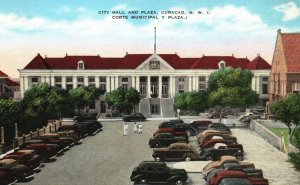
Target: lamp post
{"x": 178, "y": 113}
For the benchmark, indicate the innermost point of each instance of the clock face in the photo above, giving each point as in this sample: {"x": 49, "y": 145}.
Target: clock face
{"x": 154, "y": 64}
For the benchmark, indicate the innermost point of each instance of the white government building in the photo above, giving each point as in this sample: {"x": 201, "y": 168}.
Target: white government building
{"x": 157, "y": 77}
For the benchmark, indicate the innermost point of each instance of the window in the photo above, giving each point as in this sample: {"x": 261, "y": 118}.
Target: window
{"x": 264, "y": 88}
{"x": 265, "y": 79}
{"x": 125, "y": 86}
{"x": 57, "y": 79}
{"x": 124, "y": 79}
{"x": 69, "y": 86}
{"x": 181, "y": 88}
{"x": 91, "y": 79}
{"x": 202, "y": 79}
{"x": 150, "y": 169}
{"x": 154, "y": 109}
{"x": 164, "y": 89}
{"x": 102, "y": 107}
{"x": 159, "y": 169}
{"x": 102, "y": 79}
{"x": 80, "y": 64}
{"x": 58, "y": 86}
{"x": 80, "y": 79}
{"x": 92, "y": 85}
{"x": 222, "y": 64}
{"x": 34, "y": 79}
{"x": 143, "y": 89}
{"x": 181, "y": 79}
{"x": 69, "y": 79}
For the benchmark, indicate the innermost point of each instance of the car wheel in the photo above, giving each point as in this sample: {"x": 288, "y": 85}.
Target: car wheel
{"x": 187, "y": 158}
{"x": 178, "y": 182}
{"x": 209, "y": 157}
{"x": 43, "y": 159}
{"x": 143, "y": 181}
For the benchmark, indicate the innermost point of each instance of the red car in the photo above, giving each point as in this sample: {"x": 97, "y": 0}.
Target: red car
{"x": 229, "y": 143}
{"x": 45, "y": 151}
{"x": 170, "y": 130}
{"x": 7, "y": 177}
{"x": 26, "y": 157}
{"x": 200, "y": 125}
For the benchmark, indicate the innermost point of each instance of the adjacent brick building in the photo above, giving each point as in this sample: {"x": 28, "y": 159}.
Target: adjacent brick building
{"x": 285, "y": 72}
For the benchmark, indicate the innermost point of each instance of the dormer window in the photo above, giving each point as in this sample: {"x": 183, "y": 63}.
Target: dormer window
{"x": 80, "y": 65}
{"x": 222, "y": 64}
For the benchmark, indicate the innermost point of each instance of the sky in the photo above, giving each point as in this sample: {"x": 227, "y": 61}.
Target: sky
{"x": 56, "y": 27}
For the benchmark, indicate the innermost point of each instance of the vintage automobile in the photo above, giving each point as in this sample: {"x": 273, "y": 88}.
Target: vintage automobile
{"x": 62, "y": 144}
{"x": 7, "y": 177}
{"x": 220, "y": 149}
{"x": 81, "y": 131}
{"x": 89, "y": 127}
{"x": 234, "y": 181}
{"x": 158, "y": 172}
{"x": 227, "y": 159}
{"x": 65, "y": 135}
{"x": 70, "y": 133}
{"x": 200, "y": 125}
{"x": 136, "y": 116}
{"x": 216, "y": 179}
{"x": 45, "y": 151}
{"x": 26, "y": 157}
{"x": 85, "y": 117}
{"x": 228, "y": 143}
{"x": 218, "y": 126}
{"x": 177, "y": 152}
{"x": 205, "y": 132}
{"x": 171, "y": 131}
{"x": 165, "y": 139}
{"x": 179, "y": 127}
{"x": 53, "y": 137}
{"x": 209, "y": 136}
{"x": 21, "y": 172}
{"x": 176, "y": 121}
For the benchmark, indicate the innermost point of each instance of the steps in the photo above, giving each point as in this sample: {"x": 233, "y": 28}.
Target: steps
{"x": 167, "y": 107}
{"x": 144, "y": 107}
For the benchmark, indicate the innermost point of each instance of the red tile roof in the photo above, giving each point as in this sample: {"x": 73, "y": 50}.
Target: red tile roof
{"x": 258, "y": 63}
{"x": 291, "y": 49}
{"x": 10, "y": 82}
{"x": 3, "y": 75}
{"x": 132, "y": 61}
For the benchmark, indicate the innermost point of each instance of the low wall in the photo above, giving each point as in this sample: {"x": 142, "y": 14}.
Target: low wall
{"x": 266, "y": 134}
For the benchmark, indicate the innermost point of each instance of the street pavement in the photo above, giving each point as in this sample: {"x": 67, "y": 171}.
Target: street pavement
{"x": 109, "y": 157}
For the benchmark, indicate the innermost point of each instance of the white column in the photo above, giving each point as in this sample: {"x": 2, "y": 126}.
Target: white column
{"x": 159, "y": 86}
{"x": 253, "y": 80}
{"x": 47, "y": 80}
{"x": 172, "y": 86}
{"x": 148, "y": 86}
{"x": 194, "y": 83}
{"x": 108, "y": 84}
{"x": 190, "y": 83}
{"x": 52, "y": 81}
{"x": 63, "y": 82}
{"x": 137, "y": 85}
{"x": 97, "y": 81}
{"x": 133, "y": 82}
{"x": 25, "y": 86}
{"x": 257, "y": 85}
{"x": 86, "y": 81}
{"x": 117, "y": 81}
{"x": 112, "y": 83}
{"x": 74, "y": 82}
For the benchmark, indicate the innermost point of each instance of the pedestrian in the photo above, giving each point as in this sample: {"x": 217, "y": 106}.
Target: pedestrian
{"x": 135, "y": 128}
{"x": 125, "y": 127}
{"x": 140, "y": 127}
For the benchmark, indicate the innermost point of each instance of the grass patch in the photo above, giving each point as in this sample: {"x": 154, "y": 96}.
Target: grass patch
{"x": 285, "y": 132}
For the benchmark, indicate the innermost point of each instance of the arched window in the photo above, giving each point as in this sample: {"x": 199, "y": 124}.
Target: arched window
{"x": 222, "y": 64}
{"x": 80, "y": 65}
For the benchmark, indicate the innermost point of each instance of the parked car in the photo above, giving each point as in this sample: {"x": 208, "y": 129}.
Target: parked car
{"x": 228, "y": 143}
{"x": 211, "y": 135}
{"x": 52, "y": 137}
{"x": 21, "y": 172}
{"x": 226, "y": 159}
{"x": 217, "y": 178}
{"x": 66, "y": 135}
{"x": 89, "y": 127}
{"x": 86, "y": 116}
{"x": 200, "y": 125}
{"x": 62, "y": 144}
{"x": 178, "y": 127}
{"x": 136, "y": 116}
{"x": 70, "y": 133}
{"x": 165, "y": 139}
{"x": 218, "y": 126}
{"x": 171, "y": 131}
{"x": 177, "y": 152}
{"x": 176, "y": 121}
{"x": 258, "y": 109}
{"x": 45, "y": 151}
{"x": 220, "y": 149}
{"x": 205, "y": 132}
{"x": 26, "y": 157}
{"x": 158, "y": 172}
{"x": 6, "y": 177}
{"x": 80, "y": 130}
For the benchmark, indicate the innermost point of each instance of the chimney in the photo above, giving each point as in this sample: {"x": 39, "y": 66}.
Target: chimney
{"x": 203, "y": 55}
{"x": 246, "y": 57}
{"x": 175, "y": 53}
{"x": 98, "y": 55}
{"x": 258, "y": 54}
{"x": 232, "y": 55}
{"x": 126, "y": 53}
{"x": 66, "y": 54}
{"x": 45, "y": 56}
{"x": 38, "y": 54}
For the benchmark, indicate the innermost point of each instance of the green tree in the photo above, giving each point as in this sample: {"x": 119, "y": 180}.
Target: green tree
{"x": 180, "y": 101}
{"x": 191, "y": 102}
{"x": 231, "y": 87}
{"x": 287, "y": 111}
{"x": 9, "y": 115}
{"x": 123, "y": 99}
{"x": 81, "y": 97}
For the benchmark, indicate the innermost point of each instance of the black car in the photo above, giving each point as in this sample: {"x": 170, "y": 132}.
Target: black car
{"x": 179, "y": 127}
{"x": 136, "y": 116}
{"x": 85, "y": 117}
{"x": 220, "y": 149}
{"x": 89, "y": 127}
{"x": 165, "y": 139}
{"x": 218, "y": 126}
{"x": 158, "y": 172}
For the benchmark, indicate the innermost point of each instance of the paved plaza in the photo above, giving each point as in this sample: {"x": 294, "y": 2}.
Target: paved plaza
{"x": 109, "y": 157}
